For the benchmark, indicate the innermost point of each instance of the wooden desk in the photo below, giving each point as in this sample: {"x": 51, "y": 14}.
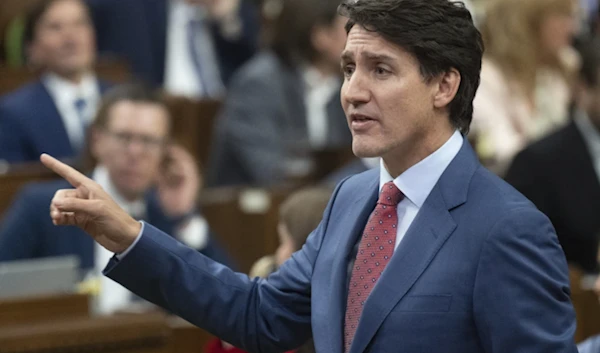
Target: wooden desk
{"x": 141, "y": 333}
{"x": 245, "y": 220}
{"x": 587, "y": 307}
{"x": 43, "y": 309}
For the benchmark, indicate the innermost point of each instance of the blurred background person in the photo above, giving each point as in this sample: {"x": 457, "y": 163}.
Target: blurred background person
{"x": 52, "y": 114}
{"x": 525, "y": 79}
{"x": 190, "y": 47}
{"x": 299, "y": 215}
{"x": 136, "y": 164}
{"x": 561, "y": 173}
{"x": 285, "y": 102}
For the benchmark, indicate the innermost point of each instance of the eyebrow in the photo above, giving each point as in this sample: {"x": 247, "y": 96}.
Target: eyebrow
{"x": 349, "y": 56}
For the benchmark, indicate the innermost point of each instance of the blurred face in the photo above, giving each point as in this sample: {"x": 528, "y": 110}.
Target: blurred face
{"x": 330, "y": 41}
{"x": 556, "y": 32}
{"x": 391, "y": 111}
{"x": 64, "y": 39}
{"x": 286, "y": 245}
{"x": 132, "y": 146}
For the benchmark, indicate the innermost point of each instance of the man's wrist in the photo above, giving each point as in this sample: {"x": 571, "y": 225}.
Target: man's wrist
{"x": 132, "y": 234}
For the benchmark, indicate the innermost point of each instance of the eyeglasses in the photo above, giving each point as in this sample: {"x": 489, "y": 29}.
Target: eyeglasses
{"x": 149, "y": 143}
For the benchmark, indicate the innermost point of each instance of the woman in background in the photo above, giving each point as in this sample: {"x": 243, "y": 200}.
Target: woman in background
{"x": 524, "y": 92}
{"x": 299, "y": 215}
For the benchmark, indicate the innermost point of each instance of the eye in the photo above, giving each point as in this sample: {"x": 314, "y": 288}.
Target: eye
{"x": 348, "y": 70}
{"x": 381, "y": 71}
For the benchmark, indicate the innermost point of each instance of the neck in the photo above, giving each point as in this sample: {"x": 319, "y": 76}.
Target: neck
{"x": 127, "y": 195}
{"x": 401, "y": 159}
{"x": 73, "y": 77}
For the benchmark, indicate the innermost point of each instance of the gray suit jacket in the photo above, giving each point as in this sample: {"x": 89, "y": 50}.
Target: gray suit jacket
{"x": 263, "y": 124}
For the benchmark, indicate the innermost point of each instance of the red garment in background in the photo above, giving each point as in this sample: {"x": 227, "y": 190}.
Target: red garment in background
{"x": 215, "y": 346}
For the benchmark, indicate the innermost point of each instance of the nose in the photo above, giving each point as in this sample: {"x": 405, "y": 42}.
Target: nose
{"x": 355, "y": 90}
{"x": 135, "y": 147}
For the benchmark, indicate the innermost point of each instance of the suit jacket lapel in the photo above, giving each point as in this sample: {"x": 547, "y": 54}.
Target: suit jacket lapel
{"x": 355, "y": 217}
{"x": 50, "y": 124}
{"x": 581, "y": 164}
{"x": 425, "y": 237}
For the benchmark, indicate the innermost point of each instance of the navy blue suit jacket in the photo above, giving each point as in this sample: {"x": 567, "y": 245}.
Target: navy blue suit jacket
{"x": 27, "y": 230}
{"x": 479, "y": 270}
{"x": 30, "y": 125}
{"x": 137, "y": 31}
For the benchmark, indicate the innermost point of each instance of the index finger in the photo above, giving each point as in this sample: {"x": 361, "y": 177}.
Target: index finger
{"x": 71, "y": 175}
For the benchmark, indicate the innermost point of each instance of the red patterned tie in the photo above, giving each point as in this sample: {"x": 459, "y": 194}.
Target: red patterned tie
{"x": 374, "y": 252}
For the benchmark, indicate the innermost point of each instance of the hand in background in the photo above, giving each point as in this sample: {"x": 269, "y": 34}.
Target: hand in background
{"x": 219, "y": 9}
{"x": 178, "y": 183}
{"x": 90, "y": 208}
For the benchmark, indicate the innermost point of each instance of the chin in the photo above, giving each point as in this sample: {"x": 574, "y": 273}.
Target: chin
{"x": 366, "y": 149}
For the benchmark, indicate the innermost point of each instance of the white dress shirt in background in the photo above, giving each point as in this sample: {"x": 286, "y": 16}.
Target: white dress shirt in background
{"x": 181, "y": 74}
{"x": 319, "y": 91}
{"x": 65, "y": 94}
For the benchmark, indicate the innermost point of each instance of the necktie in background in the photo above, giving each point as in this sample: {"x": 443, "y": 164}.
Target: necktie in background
{"x": 80, "y": 106}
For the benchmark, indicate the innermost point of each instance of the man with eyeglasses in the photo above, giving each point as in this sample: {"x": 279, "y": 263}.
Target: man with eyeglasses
{"x": 135, "y": 163}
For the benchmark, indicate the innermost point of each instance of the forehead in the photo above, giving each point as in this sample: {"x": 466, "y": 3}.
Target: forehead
{"x": 64, "y": 8}
{"x": 139, "y": 117}
{"x": 361, "y": 41}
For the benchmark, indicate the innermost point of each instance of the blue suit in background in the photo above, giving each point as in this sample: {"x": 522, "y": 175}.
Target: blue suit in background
{"x": 479, "y": 270}
{"x": 26, "y": 231}
{"x": 137, "y": 31}
{"x": 30, "y": 124}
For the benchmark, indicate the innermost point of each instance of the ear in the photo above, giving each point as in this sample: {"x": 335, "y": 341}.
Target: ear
{"x": 447, "y": 87}
{"x": 96, "y": 143}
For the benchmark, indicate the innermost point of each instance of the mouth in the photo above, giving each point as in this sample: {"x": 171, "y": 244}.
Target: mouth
{"x": 360, "y": 122}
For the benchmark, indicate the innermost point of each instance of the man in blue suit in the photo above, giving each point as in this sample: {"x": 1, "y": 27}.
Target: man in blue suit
{"x": 129, "y": 142}
{"x": 192, "y": 47}
{"x": 51, "y": 115}
{"x": 428, "y": 253}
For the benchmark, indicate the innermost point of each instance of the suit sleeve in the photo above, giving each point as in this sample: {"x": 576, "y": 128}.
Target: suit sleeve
{"x": 521, "y": 295}
{"x": 258, "y": 315}
{"x": 250, "y": 122}
{"x": 19, "y": 234}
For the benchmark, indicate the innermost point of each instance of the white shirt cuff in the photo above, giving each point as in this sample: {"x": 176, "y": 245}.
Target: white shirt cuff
{"x": 122, "y": 255}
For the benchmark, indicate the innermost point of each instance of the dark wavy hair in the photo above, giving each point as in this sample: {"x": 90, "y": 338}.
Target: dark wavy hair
{"x": 439, "y": 33}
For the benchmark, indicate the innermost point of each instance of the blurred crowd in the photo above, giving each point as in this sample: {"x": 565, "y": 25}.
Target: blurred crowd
{"x": 274, "y": 66}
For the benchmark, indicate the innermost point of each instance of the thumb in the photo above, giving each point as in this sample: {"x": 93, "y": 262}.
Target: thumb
{"x": 76, "y": 205}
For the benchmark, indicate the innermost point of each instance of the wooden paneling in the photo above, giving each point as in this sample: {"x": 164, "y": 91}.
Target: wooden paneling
{"x": 245, "y": 221}
{"x": 193, "y": 125}
{"x": 43, "y": 309}
{"x": 115, "y": 71}
{"x": 15, "y": 177}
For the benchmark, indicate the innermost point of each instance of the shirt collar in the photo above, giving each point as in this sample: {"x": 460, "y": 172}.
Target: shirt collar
{"x": 136, "y": 209}
{"x": 417, "y": 181}
{"x": 590, "y": 133}
{"x": 67, "y": 92}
